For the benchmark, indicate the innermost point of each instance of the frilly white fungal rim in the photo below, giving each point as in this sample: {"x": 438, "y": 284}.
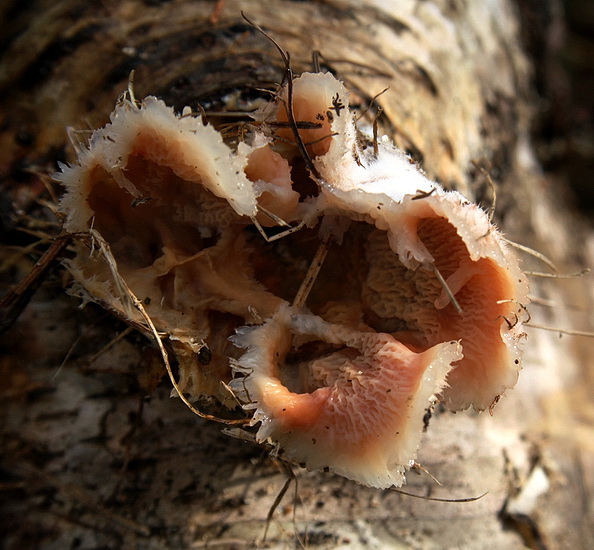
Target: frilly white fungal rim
{"x": 199, "y": 153}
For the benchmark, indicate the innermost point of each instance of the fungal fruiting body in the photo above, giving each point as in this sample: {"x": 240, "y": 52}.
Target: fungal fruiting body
{"x": 418, "y": 298}
{"x": 362, "y": 404}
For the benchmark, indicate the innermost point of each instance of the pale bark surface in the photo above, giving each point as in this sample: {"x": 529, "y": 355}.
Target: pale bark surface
{"x": 96, "y": 454}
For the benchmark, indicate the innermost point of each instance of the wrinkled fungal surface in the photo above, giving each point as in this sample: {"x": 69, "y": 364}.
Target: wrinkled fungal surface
{"x": 335, "y": 297}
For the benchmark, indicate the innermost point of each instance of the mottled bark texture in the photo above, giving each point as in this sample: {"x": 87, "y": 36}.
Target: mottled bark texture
{"x": 96, "y": 454}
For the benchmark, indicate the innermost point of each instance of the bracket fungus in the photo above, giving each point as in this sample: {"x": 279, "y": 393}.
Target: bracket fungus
{"x": 339, "y": 292}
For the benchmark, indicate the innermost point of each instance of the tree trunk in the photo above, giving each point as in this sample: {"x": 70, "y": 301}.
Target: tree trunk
{"x": 96, "y": 454}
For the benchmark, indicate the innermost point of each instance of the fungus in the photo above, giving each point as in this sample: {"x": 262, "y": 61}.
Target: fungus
{"x": 454, "y": 241}
{"x": 319, "y": 100}
{"x": 170, "y": 199}
{"x": 271, "y": 175}
{"x": 356, "y": 409}
{"x": 438, "y": 269}
{"x": 151, "y": 140}
{"x": 418, "y": 298}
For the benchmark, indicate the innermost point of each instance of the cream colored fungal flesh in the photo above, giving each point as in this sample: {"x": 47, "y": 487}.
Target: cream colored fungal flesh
{"x": 406, "y": 293}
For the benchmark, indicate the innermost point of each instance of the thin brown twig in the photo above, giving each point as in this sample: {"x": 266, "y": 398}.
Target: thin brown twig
{"x": 312, "y": 273}
{"x": 420, "y": 467}
{"x": 447, "y": 289}
{"x": 111, "y": 343}
{"x": 358, "y": 64}
{"x": 375, "y": 131}
{"x": 129, "y": 296}
{"x": 15, "y": 300}
{"x": 491, "y": 183}
{"x": 373, "y": 99}
{"x": 76, "y": 342}
{"x": 435, "y": 499}
{"x": 315, "y": 61}
{"x": 532, "y": 252}
{"x": 569, "y": 332}
{"x": 274, "y": 506}
{"x": 558, "y": 275}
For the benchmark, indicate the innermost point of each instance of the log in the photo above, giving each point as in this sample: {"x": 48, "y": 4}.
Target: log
{"x": 97, "y": 454}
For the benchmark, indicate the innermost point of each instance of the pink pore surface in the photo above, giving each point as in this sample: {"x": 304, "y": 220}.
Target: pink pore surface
{"x": 359, "y": 408}
{"x": 484, "y": 290}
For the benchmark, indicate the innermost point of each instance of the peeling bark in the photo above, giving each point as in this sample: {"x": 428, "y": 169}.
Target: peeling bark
{"x": 95, "y": 453}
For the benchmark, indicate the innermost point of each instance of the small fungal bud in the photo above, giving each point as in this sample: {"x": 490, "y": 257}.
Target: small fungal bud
{"x": 320, "y": 108}
{"x": 271, "y": 175}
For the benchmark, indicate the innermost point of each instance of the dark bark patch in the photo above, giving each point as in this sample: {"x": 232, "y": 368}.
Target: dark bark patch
{"x": 45, "y": 63}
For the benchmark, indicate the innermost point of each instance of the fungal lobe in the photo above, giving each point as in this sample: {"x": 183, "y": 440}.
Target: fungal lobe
{"x": 338, "y": 301}
{"x": 358, "y": 410}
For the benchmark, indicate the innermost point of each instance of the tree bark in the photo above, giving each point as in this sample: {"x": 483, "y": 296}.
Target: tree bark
{"x": 96, "y": 454}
